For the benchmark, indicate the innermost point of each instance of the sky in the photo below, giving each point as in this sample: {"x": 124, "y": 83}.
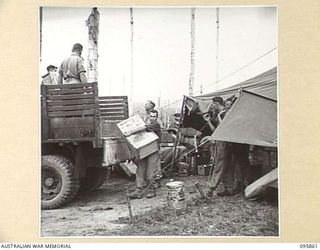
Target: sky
{"x": 162, "y": 47}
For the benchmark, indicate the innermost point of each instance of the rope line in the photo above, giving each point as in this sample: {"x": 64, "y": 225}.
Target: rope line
{"x": 225, "y": 77}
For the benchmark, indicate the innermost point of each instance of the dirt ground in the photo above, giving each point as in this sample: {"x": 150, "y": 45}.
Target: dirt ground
{"x": 105, "y": 213}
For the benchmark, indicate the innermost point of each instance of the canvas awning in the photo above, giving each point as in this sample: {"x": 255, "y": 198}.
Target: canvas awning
{"x": 251, "y": 120}
{"x": 264, "y": 84}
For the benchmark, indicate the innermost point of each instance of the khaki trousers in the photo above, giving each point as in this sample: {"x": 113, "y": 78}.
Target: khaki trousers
{"x": 147, "y": 168}
{"x": 223, "y": 169}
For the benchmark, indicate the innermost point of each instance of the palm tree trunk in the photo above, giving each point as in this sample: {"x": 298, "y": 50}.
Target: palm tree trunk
{"x": 93, "y": 32}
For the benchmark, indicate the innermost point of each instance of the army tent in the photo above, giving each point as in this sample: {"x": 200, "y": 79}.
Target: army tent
{"x": 253, "y": 117}
{"x": 264, "y": 84}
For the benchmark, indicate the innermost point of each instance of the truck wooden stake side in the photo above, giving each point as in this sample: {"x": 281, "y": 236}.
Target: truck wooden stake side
{"x": 79, "y": 140}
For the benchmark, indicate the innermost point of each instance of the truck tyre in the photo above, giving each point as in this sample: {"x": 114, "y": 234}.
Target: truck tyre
{"x": 95, "y": 177}
{"x": 58, "y": 184}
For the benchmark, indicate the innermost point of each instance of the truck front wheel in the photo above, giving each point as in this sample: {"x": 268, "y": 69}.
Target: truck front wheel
{"x": 58, "y": 183}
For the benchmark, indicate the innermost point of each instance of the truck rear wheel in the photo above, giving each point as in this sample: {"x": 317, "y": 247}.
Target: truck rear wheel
{"x": 58, "y": 183}
{"x": 95, "y": 177}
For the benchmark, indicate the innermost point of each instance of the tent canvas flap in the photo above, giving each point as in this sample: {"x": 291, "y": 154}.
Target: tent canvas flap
{"x": 264, "y": 84}
{"x": 251, "y": 120}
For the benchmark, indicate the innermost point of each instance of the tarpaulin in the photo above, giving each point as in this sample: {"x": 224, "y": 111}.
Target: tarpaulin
{"x": 264, "y": 84}
{"x": 252, "y": 120}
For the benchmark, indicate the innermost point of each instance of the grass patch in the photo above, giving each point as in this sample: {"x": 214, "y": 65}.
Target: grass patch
{"x": 228, "y": 216}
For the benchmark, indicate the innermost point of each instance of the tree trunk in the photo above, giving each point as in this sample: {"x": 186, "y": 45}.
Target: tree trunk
{"x": 93, "y": 32}
{"x": 40, "y": 29}
{"x": 193, "y": 41}
{"x": 131, "y": 58}
{"x": 217, "y": 49}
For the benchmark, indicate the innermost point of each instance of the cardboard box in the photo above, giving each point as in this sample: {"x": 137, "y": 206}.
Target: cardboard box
{"x": 131, "y": 125}
{"x": 141, "y": 143}
{"x": 204, "y": 170}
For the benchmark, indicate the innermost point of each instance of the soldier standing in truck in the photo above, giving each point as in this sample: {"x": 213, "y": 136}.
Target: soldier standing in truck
{"x": 51, "y": 77}
{"x": 72, "y": 70}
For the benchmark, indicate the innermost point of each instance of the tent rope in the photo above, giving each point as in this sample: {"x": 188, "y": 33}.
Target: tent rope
{"x": 227, "y": 76}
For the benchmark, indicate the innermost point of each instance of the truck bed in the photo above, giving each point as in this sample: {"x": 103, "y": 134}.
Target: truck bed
{"x": 75, "y": 113}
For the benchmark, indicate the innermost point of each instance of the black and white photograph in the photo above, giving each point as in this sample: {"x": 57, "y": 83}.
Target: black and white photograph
{"x": 159, "y": 121}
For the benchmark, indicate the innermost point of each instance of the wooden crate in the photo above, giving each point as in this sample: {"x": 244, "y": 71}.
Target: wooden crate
{"x": 140, "y": 142}
{"x": 131, "y": 125}
{"x": 204, "y": 170}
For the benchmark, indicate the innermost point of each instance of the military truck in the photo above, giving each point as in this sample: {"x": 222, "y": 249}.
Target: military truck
{"x": 79, "y": 140}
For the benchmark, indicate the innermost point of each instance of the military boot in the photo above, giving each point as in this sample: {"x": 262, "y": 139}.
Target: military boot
{"x": 137, "y": 194}
{"x": 210, "y": 191}
{"x": 151, "y": 193}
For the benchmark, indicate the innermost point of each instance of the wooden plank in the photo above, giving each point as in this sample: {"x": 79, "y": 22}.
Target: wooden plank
{"x": 69, "y": 91}
{"x": 70, "y": 102}
{"x": 112, "y": 109}
{"x": 119, "y": 113}
{"x": 69, "y": 108}
{"x": 70, "y": 97}
{"x": 112, "y": 105}
{"x": 71, "y": 113}
{"x": 112, "y": 102}
{"x": 112, "y": 118}
{"x": 67, "y": 140}
{"x": 113, "y": 97}
{"x": 69, "y": 86}
{"x": 112, "y": 114}
{"x": 259, "y": 186}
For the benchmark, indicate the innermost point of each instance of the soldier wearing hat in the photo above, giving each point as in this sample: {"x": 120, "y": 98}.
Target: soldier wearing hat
{"x": 72, "y": 70}
{"x": 51, "y": 77}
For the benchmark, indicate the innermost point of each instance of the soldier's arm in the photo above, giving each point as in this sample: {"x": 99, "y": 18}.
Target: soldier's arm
{"x": 212, "y": 127}
{"x": 83, "y": 77}
{"x": 155, "y": 127}
{"x": 82, "y": 71}
{"x": 59, "y": 81}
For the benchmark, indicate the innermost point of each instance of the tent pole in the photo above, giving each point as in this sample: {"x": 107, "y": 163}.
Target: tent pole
{"x": 178, "y": 133}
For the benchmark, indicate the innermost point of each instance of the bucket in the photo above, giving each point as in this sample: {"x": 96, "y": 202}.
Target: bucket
{"x": 183, "y": 168}
{"x": 175, "y": 198}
